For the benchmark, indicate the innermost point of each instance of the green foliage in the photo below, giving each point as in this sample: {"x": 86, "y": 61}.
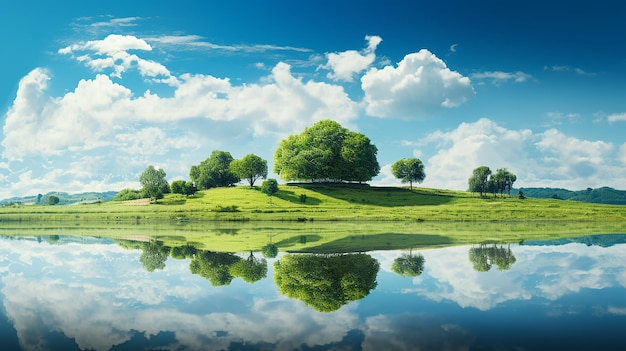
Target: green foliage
{"x": 408, "y": 265}
{"x": 127, "y": 194}
{"x": 231, "y": 208}
{"x": 53, "y": 200}
{"x": 153, "y": 255}
{"x": 479, "y": 181}
{"x": 250, "y": 270}
{"x": 214, "y": 171}
{"x": 153, "y": 183}
{"x": 326, "y": 151}
{"x": 214, "y": 266}
{"x": 269, "y": 187}
{"x": 483, "y": 181}
{"x": 409, "y": 170}
{"x": 484, "y": 256}
{"x": 326, "y": 282}
{"x": 183, "y": 187}
{"x": 270, "y": 250}
{"x": 251, "y": 167}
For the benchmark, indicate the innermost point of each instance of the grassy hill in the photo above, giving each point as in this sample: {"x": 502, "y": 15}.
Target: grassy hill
{"x": 324, "y": 202}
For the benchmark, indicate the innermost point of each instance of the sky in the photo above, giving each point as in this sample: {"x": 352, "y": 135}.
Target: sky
{"x": 92, "y": 93}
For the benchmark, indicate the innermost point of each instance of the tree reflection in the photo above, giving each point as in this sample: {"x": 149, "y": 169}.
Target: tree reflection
{"x": 153, "y": 255}
{"x": 326, "y": 282}
{"x": 408, "y": 265}
{"x": 485, "y": 255}
{"x": 251, "y": 269}
{"x": 214, "y": 266}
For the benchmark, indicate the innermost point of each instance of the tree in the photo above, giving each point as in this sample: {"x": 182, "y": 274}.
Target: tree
{"x": 154, "y": 183}
{"x": 479, "y": 181}
{"x": 409, "y": 170}
{"x": 408, "y": 265}
{"x": 269, "y": 187}
{"x": 326, "y": 282}
{"x": 270, "y": 250}
{"x": 214, "y": 266}
{"x": 53, "y": 200}
{"x": 153, "y": 255}
{"x": 183, "y": 187}
{"x": 250, "y": 270}
{"x": 326, "y": 151}
{"x": 251, "y": 167}
{"x": 214, "y": 171}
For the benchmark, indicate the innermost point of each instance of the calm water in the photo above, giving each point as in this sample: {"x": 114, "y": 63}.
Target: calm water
{"x": 73, "y": 293}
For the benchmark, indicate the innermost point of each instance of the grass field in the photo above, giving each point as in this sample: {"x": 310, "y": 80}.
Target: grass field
{"x": 324, "y": 202}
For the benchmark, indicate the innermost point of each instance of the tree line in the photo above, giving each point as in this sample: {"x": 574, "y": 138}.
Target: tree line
{"x": 323, "y": 152}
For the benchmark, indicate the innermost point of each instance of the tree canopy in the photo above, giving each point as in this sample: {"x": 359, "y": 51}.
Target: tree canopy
{"x": 154, "y": 183}
{"x": 326, "y": 282}
{"x": 483, "y": 181}
{"x": 408, "y": 265}
{"x": 214, "y": 171}
{"x": 409, "y": 170}
{"x": 326, "y": 151}
{"x": 251, "y": 167}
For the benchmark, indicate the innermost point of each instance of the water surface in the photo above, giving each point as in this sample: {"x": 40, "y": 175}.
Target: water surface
{"x": 80, "y": 293}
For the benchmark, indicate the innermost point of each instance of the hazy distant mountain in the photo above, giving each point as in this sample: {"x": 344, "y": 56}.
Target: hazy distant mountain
{"x": 64, "y": 198}
{"x": 603, "y": 240}
{"x": 604, "y": 195}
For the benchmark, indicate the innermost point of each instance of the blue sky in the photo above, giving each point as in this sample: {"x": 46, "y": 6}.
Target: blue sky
{"x": 94, "y": 92}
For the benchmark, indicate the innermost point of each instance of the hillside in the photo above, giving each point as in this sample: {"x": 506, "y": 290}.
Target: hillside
{"x": 324, "y": 202}
{"x": 603, "y": 195}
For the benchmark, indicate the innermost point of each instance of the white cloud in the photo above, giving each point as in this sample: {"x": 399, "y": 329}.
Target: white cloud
{"x": 498, "y": 77}
{"x": 548, "y": 272}
{"x": 346, "y": 64}
{"x": 622, "y": 153}
{"x": 418, "y": 86}
{"x": 617, "y": 117}
{"x": 565, "y": 68}
{"x": 548, "y": 159}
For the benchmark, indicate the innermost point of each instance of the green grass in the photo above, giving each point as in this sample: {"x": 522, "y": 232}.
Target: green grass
{"x": 324, "y": 202}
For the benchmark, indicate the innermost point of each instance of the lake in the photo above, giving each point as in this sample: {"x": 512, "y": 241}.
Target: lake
{"x": 91, "y": 293}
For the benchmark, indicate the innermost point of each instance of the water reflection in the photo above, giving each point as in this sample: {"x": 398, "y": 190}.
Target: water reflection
{"x": 484, "y": 255}
{"x": 73, "y": 293}
{"x": 326, "y": 282}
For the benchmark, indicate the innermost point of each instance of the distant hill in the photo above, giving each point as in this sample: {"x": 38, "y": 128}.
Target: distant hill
{"x": 64, "y": 198}
{"x": 604, "y": 195}
{"x": 603, "y": 240}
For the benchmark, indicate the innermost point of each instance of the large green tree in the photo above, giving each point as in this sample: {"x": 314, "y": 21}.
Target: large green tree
{"x": 409, "y": 170}
{"x": 251, "y": 167}
{"x": 214, "y": 171}
{"x": 153, "y": 183}
{"x": 214, "y": 266}
{"x": 326, "y": 151}
{"x": 250, "y": 270}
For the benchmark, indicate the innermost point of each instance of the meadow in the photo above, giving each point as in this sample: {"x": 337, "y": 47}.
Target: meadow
{"x": 324, "y": 202}
{"x": 320, "y": 218}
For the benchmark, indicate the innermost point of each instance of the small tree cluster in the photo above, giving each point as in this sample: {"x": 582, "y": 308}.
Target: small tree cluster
{"x": 483, "y": 181}
{"x": 221, "y": 169}
{"x": 182, "y": 187}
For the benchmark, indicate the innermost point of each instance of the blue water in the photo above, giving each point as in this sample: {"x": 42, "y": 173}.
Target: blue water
{"x": 99, "y": 295}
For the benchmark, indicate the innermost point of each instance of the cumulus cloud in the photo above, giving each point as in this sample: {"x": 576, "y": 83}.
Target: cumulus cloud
{"x": 418, "y": 86}
{"x": 545, "y": 159}
{"x": 346, "y": 64}
{"x": 102, "y": 117}
{"x": 113, "y": 52}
